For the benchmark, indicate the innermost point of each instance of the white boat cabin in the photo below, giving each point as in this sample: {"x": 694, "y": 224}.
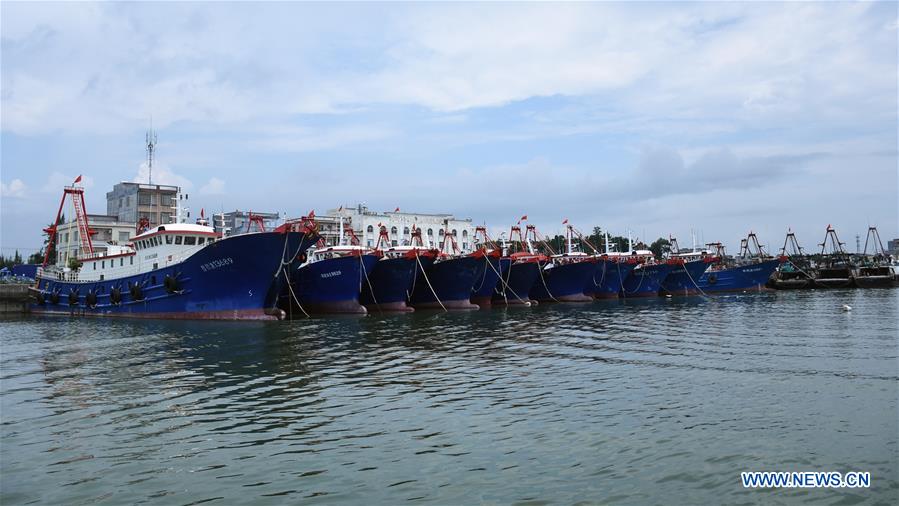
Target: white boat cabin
{"x": 156, "y": 248}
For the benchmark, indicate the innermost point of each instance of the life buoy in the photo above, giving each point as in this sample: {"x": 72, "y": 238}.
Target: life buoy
{"x": 171, "y": 283}
{"x": 73, "y": 297}
{"x": 54, "y": 297}
{"x": 136, "y": 292}
{"x": 713, "y": 278}
{"x": 91, "y": 299}
{"x": 115, "y": 296}
{"x": 302, "y": 257}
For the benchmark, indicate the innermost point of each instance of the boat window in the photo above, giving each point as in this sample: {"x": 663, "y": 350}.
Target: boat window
{"x": 121, "y": 262}
{"x": 177, "y": 239}
{"x": 95, "y": 265}
{"x": 132, "y": 260}
{"x": 168, "y": 239}
{"x": 102, "y": 264}
{"x": 201, "y": 240}
{"x": 190, "y": 240}
{"x": 155, "y": 241}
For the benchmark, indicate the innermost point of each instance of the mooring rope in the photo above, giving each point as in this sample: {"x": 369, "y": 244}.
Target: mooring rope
{"x": 429, "y": 281}
{"x": 540, "y": 270}
{"x": 506, "y": 285}
{"x": 370, "y": 289}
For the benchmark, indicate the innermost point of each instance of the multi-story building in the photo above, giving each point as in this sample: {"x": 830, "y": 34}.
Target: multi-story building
{"x": 159, "y": 203}
{"x": 235, "y": 222}
{"x": 893, "y": 247}
{"x": 107, "y": 230}
{"x": 366, "y": 225}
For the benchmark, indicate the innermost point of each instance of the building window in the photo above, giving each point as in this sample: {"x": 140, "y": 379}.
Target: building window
{"x": 167, "y": 200}
{"x": 393, "y": 231}
{"x": 165, "y": 217}
{"x": 406, "y": 231}
{"x": 454, "y": 233}
{"x": 441, "y": 233}
{"x": 430, "y": 232}
{"x": 465, "y": 233}
{"x": 464, "y": 245}
{"x": 370, "y": 229}
{"x": 370, "y": 243}
{"x": 143, "y": 199}
{"x": 393, "y": 242}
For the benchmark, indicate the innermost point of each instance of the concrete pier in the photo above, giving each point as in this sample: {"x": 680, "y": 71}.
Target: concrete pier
{"x": 13, "y": 298}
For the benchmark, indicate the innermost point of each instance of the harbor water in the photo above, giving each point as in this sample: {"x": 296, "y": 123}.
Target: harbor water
{"x": 662, "y": 401}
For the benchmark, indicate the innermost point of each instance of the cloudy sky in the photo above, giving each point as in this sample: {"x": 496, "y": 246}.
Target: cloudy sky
{"x": 659, "y": 118}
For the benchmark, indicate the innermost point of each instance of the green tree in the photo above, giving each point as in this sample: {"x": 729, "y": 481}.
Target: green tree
{"x": 660, "y": 246}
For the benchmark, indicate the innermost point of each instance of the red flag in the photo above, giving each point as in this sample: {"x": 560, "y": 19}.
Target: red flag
{"x": 202, "y": 212}
{"x": 312, "y": 214}
{"x": 525, "y": 217}
{"x": 396, "y": 210}
{"x": 566, "y": 221}
{"x": 77, "y": 180}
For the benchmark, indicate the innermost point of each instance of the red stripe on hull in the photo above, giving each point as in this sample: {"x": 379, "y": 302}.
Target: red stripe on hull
{"x": 452, "y": 305}
{"x": 389, "y": 307}
{"x": 237, "y": 314}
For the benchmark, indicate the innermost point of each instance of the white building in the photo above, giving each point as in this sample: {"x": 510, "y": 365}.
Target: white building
{"x": 366, "y": 225}
{"x": 108, "y": 230}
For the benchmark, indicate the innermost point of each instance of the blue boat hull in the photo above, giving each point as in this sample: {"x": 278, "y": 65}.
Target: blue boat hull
{"x": 684, "y": 279}
{"x": 231, "y": 279}
{"x": 645, "y": 281}
{"x": 519, "y": 279}
{"x": 391, "y": 282}
{"x": 608, "y": 278}
{"x": 738, "y": 279}
{"x": 331, "y": 286}
{"x": 451, "y": 279}
{"x": 487, "y": 284}
{"x": 563, "y": 283}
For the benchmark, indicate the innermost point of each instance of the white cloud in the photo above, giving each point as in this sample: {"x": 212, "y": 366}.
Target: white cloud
{"x": 60, "y": 70}
{"x": 15, "y": 189}
{"x": 57, "y": 181}
{"x": 214, "y": 186}
{"x": 161, "y": 174}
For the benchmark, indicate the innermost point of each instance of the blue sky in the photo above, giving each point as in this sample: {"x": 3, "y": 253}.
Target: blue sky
{"x": 661, "y": 118}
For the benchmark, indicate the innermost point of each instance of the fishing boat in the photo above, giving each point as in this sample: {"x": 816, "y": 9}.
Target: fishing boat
{"x": 563, "y": 277}
{"x": 447, "y": 282}
{"x": 686, "y": 271}
{"x": 487, "y": 284}
{"x": 524, "y": 268}
{"x": 795, "y": 272}
{"x": 330, "y": 278}
{"x": 175, "y": 270}
{"x": 749, "y": 271}
{"x": 874, "y": 270}
{"x": 391, "y": 279}
{"x": 834, "y": 269}
{"x": 611, "y": 271}
{"x": 647, "y": 277}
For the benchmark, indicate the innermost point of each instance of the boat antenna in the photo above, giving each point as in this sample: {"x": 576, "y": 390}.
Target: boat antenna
{"x": 151, "y": 147}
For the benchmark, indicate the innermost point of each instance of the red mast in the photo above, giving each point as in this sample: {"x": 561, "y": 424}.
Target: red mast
{"x": 84, "y": 231}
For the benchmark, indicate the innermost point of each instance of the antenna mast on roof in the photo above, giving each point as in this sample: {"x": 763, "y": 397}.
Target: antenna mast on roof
{"x": 151, "y": 146}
